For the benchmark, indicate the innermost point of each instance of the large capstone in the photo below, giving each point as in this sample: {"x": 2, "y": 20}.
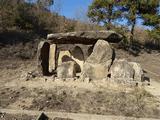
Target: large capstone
{"x": 98, "y": 63}
{"x": 84, "y": 37}
{"x": 138, "y": 76}
{"x": 122, "y": 70}
{"x": 66, "y": 70}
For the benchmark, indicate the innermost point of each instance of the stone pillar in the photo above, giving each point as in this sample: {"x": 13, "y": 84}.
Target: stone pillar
{"x": 52, "y": 58}
{"x": 98, "y": 63}
{"x": 43, "y": 57}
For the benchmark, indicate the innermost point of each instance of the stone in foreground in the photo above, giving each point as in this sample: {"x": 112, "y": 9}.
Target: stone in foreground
{"x": 42, "y": 116}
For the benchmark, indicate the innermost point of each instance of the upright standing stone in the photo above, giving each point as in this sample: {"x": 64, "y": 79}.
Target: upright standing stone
{"x": 98, "y": 63}
{"x": 102, "y": 52}
{"x": 43, "y": 57}
{"x": 52, "y": 58}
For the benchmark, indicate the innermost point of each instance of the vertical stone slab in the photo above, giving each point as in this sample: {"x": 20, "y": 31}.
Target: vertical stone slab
{"x": 43, "y": 58}
{"x": 52, "y": 58}
{"x": 39, "y": 59}
{"x": 97, "y": 65}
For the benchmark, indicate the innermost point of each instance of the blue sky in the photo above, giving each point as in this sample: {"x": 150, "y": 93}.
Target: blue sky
{"x": 69, "y": 8}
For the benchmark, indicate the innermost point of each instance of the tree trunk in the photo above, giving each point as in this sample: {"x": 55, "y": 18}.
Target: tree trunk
{"x": 109, "y": 17}
{"x": 109, "y": 25}
{"x": 132, "y": 35}
{"x": 132, "y": 31}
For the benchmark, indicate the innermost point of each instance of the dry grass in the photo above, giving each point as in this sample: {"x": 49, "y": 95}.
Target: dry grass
{"x": 137, "y": 103}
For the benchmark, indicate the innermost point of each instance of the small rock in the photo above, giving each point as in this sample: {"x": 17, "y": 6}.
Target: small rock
{"x": 87, "y": 80}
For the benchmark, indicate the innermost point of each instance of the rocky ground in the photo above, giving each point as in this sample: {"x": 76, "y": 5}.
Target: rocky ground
{"x": 44, "y": 94}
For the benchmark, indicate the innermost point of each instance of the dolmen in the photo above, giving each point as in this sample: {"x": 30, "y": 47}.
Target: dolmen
{"x": 85, "y": 55}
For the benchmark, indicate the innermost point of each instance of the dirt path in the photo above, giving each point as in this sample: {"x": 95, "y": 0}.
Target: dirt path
{"x": 74, "y": 116}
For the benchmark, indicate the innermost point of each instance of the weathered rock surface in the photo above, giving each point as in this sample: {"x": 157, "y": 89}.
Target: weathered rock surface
{"x": 84, "y": 37}
{"x": 98, "y": 63}
{"x": 138, "y": 76}
{"x": 66, "y": 70}
{"x": 122, "y": 70}
{"x": 102, "y": 52}
{"x": 96, "y": 71}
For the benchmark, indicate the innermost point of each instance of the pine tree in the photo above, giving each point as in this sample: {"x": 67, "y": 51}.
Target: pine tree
{"x": 45, "y": 3}
{"x": 107, "y": 11}
{"x": 104, "y": 11}
{"x": 140, "y": 9}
